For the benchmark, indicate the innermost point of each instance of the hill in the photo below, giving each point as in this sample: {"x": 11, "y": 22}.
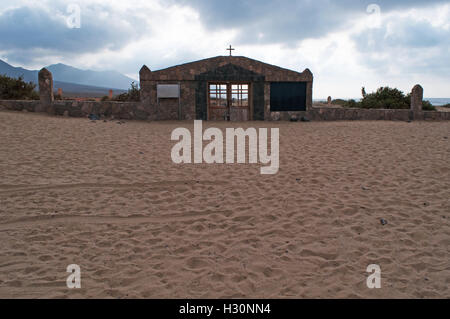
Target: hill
{"x": 107, "y": 79}
{"x": 74, "y": 82}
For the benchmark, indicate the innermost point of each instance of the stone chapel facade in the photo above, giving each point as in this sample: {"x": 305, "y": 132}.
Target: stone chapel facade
{"x": 225, "y": 88}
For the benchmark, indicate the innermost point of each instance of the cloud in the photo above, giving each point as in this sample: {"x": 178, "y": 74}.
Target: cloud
{"x": 408, "y": 42}
{"x": 44, "y": 29}
{"x": 337, "y": 40}
{"x": 287, "y": 21}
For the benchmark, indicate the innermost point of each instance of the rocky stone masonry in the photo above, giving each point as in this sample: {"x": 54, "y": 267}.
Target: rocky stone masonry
{"x": 417, "y": 98}
{"x": 117, "y": 110}
{"x": 13, "y": 105}
{"x": 130, "y": 111}
{"x": 417, "y": 101}
{"x": 167, "y": 109}
{"x": 45, "y": 79}
{"x": 104, "y": 109}
{"x": 143, "y": 110}
{"x": 188, "y": 71}
{"x": 327, "y": 114}
{"x": 192, "y": 78}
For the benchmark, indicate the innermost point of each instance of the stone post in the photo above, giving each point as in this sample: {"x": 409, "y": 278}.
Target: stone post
{"x": 46, "y": 91}
{"x": 416, "y": 102}
{"x": 147, "y": 94}
{"x": 110, "y": 96}
{"x": 309, "y": 89}
{"x": 60, "y": 92}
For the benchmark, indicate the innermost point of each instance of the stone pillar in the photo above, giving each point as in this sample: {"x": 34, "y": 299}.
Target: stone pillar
{"x": 309, "y": 89}
{"x": 60, "y": 92}
{"x": 110, "y": 96}
{"x": 309, "y": 96}
{"x": 147, "y": 103}
{"x": 416, "y": 102}
{"x": 46, "y": 91}
{"x": 267, "y": 114}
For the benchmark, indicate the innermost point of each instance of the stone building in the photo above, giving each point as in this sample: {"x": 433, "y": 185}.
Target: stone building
{"x": 224, "y": 88}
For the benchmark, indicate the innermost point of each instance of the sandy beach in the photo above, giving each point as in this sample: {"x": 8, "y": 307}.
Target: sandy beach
{"x": 108, "y": 197}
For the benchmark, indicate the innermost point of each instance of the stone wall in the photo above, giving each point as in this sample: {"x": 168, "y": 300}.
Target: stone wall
{"x": 47, "y": 104}
{"x": 133, "y": 111}
{"x": 118, "y": 110}
{"x": 13, "y": 105}
{"x": 167, "y": 109}
{"x": 107, "y": 109}
{"x": 331, "y": 114}
{"x": 334, "y": 114}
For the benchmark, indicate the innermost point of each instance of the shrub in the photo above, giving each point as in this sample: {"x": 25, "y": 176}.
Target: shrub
{"x": 344, "y": 103}
{"x": 340, "y": 102}
{"x": 352, "y": 103}
{"x": 427, "y": 106}
{"x": 133, "y": 94}
{"x": 17, "y": 89}
{"x": 385, "y": 98}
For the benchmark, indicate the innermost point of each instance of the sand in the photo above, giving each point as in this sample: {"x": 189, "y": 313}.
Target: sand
{"x": 108, "y": 198}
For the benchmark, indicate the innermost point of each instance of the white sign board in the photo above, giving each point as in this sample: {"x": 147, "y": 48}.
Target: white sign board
{"x": 168, "y": 91}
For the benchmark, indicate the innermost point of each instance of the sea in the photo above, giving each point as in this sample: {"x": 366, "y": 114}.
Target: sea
{"x": 438, "y": 102}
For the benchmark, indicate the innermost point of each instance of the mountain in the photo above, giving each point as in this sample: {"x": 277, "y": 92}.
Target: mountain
{"x": 15, "y": 72}
{"x": 74, "y": 81}
{"x": 107, "y": 79}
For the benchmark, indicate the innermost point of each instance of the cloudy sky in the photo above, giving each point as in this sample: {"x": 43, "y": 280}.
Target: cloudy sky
{"x": 346, "y": 44}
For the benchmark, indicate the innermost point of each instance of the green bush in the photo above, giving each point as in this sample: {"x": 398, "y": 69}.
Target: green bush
{"x": 352, "y": 103}
{"x": 133, "y": 94}
{"x": 385, "y": 98}
{"x": 17, "y": 89}
{"x": 344, "y": 103}
{"x": 446, "y": 105}
{"x": 339, "y": 102}
{"x": 427, "y": 106}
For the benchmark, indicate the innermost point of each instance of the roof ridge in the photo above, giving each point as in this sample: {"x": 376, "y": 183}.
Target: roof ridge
{"x": 231, "y": 62}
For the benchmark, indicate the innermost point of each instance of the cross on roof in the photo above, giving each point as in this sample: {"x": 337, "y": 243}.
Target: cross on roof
{"x": 230, "y": 49}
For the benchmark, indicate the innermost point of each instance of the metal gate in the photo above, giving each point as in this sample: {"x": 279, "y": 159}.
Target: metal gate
{"x": 229, "y": 102}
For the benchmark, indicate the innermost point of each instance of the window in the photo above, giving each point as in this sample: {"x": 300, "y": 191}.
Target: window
{"x": 239, "y": 95}
{"x": 218, "y": 95}
{"x": 287, "y": 96}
